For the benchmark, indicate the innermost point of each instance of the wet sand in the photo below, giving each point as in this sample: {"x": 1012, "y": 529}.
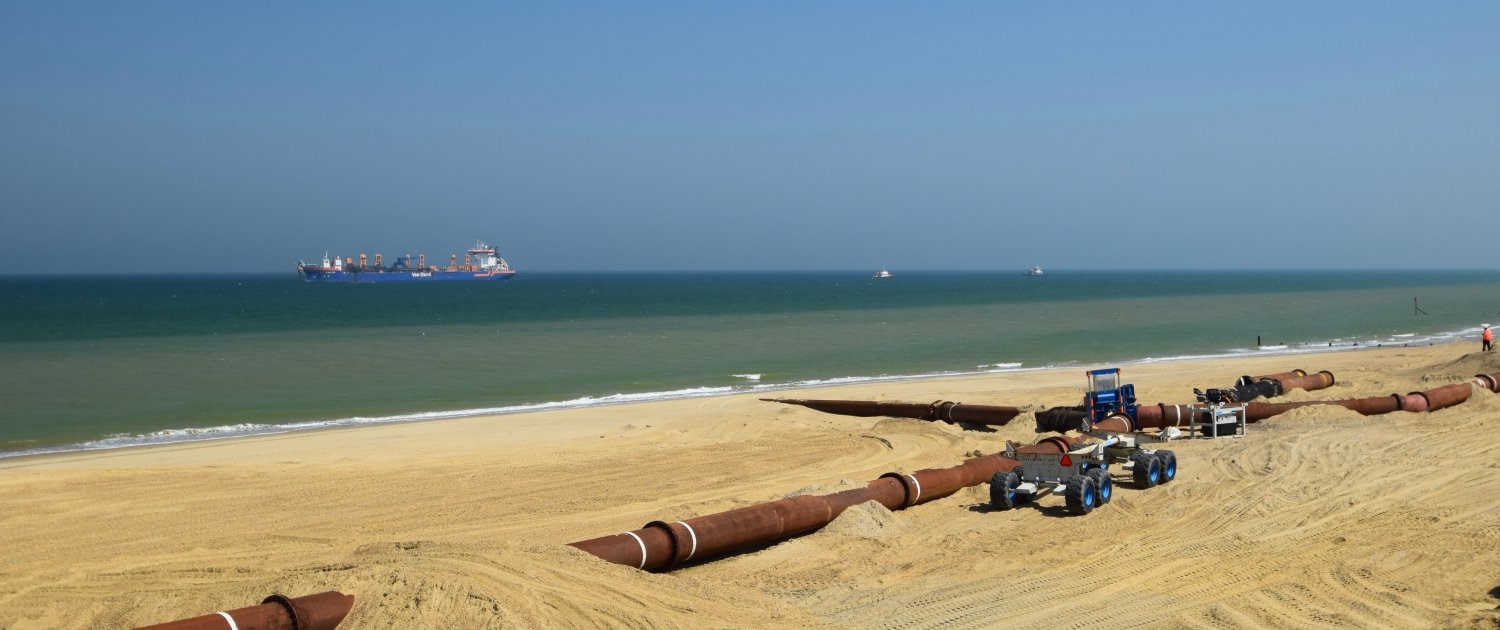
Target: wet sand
{"x": 1318, "y": 517}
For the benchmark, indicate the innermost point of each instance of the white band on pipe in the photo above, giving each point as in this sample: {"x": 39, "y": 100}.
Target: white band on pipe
{"x": 225, "y": 615}
{"x": 695, "y": 540}
{"x": 642, "y": 543}
{"x": 918, "y": 486}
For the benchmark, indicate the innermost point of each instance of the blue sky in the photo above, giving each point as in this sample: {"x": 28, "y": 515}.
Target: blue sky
{"x": 158, "y": 137}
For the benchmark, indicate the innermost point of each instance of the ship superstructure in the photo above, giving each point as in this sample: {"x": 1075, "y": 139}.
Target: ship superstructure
{"x": 481, "y": 262}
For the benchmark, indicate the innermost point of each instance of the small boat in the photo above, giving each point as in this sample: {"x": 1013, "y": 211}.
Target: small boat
{"x": 882, "y": 274}
{"x": 1034, "y": 271}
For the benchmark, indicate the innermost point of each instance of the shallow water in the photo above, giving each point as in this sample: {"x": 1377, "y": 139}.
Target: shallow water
{"x": 95, "y": 362}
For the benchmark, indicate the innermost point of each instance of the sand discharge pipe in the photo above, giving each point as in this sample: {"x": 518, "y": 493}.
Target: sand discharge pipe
{"x": 662, "y": 545}
{"x": 1280, "y": 375}
{"x": 942, "y": 410}
{"x": 1161, "y": 416}
{"x": 322, "y": 611}
{"x": 1309, "y": 382}
{"x": 1248, "y": 388}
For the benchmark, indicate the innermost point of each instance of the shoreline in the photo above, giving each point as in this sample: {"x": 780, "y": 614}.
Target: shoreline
{"x": 465, "y": 522}
{"x": 171, "y": 436}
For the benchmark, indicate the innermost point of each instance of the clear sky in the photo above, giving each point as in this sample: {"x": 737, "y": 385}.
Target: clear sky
{"x": 218, "y": 136}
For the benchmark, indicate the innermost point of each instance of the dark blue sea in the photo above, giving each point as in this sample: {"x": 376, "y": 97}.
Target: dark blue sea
{"x": 118, "y": 361}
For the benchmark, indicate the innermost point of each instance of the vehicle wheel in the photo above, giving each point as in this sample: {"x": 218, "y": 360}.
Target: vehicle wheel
{"x": 1168, "y": 465}
{"x": 1003, "y": 493}
{"x": 1104, "y": 488}
{"x": 1147, "y": 469}
{"x": 1081, "y": 494}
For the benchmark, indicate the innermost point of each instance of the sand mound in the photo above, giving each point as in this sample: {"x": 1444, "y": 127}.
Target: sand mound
{"x": 869, "y": 520}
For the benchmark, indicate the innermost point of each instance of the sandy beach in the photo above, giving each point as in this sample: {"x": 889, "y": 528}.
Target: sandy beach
{"x": 1317, "y": 518}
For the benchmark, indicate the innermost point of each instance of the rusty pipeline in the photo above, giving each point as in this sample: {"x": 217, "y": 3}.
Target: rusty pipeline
{"x": 1376, "y": 405}
{"x": 1414, "y": 402}
{"x": 1257, "y": 411}
{"x": 1417, "y": 402}
{"x": 1309, "y": 382}
{"x": 1267, "y": 385}
{"x": 663, "y": 545}
{"x": 1062, "y": 420}
{"x": 321, "y": 611}
{"x": 1445, "y": 396}
{"x": 1280, "y": 376}
{"x": 1117, "y": 423}
{"x": 1161, "y": 415}
{"x": 942, "y": 410}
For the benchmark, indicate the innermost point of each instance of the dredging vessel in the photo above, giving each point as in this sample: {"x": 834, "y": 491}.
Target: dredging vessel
{"x": 481, "y": 262}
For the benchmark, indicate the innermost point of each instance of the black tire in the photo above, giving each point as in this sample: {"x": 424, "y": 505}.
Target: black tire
{"x": 1168, "y": 465}
{"x": 1104, "y": 487}
{"x": 1003, "y": 493}
{"x": 1147, "y": 470}
{"x": 1081, "y": 494}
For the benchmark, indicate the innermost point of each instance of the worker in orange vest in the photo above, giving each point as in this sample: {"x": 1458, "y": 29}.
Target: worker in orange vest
{"x": 1488, "y": 337}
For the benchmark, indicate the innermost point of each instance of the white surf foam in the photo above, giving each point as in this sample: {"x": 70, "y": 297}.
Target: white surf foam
{"x": 168, "y": 436}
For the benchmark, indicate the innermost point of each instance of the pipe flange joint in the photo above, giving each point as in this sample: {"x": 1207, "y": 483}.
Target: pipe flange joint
{"x": 290, "y": 606}
{"x": 676, "y": 555}
{"x": 909, "y": 485}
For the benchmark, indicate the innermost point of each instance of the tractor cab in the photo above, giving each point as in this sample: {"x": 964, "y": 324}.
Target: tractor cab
{"x": 1107, "y": 395}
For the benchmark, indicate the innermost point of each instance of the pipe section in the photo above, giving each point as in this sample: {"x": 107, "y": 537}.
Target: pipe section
{"x": 1118, "y": 423}
{"x": 1309, "y": 382}
{"x": 322, "y": 611}
{"x": 942, "y": 410}
{"x": 1161, "y": 415}
{"x": 1062, "y": 420}
{"x": 1445, "y": 396}
{"x": 663, "y": 545}
{"x": 1279, "y": 376}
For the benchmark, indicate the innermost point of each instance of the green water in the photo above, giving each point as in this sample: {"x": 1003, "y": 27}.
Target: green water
{"x": 153, "y": 359}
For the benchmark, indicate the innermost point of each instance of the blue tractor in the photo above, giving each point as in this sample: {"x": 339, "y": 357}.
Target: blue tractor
{"x": 1082, "y": 473}
{"x": 1107, "y": 396}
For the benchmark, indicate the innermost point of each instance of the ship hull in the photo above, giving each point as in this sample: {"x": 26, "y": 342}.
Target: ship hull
{"x": 317, "y": 275}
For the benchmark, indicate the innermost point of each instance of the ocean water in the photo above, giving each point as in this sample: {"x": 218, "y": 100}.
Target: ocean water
{"x": 119, "y": 361}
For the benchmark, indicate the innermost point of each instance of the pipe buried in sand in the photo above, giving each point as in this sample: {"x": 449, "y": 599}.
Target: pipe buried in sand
{"x": 1117, "y": 423}
{"x": 663, "y": 545}
{"x": 1062, "y": 420}
{"x": 1445, "y": 396}
{"x": 1280, "y": 376}
{"x": 942, "y": 410}
{"x": 321, "y": 611}
{"x": 1309, "y": 382}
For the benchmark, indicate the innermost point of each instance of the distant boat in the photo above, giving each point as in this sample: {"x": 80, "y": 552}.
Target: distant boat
{"x": 1034, "y": 271}
{"x": 882, "y": 274}
{"x": 482, "y": 262}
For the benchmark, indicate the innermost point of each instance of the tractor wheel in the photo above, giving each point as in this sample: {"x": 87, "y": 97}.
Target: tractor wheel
{"x": 1147, "y": 469}
{"x": 1104, "y": 488}
{"x": 1081, "y": 494}
{"x": 1168, "y": 465}
{"x": 1003, "y": 493}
